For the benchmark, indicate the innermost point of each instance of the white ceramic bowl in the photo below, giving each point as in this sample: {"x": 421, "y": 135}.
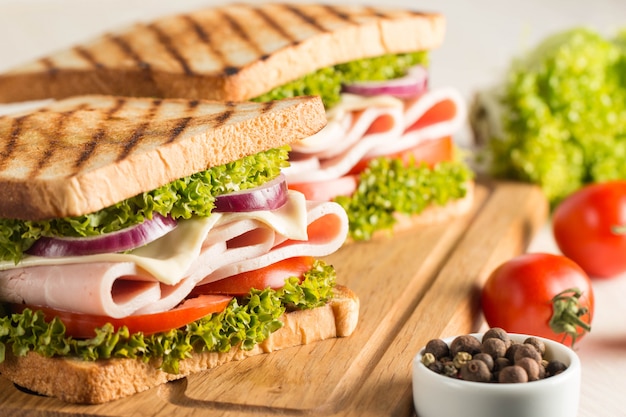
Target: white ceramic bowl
{"x": 436, "y": 395}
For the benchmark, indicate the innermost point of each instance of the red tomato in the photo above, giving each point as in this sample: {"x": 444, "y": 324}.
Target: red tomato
{"x": 431, "y": 152}
{"x": 540, "y": 294}
{"x": 590, "y": 228}
{"x": 326, "y": 190}
{"x": 82, "y": 326}
{"x": 440, "y": 112}
{"x": 272, "y": 276}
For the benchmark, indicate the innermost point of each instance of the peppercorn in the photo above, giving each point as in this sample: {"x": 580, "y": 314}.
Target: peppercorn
{"x": 475, "y": 370}
{"x": 526, "y": 351}
{"x": 485, "y": 358}
{"x": 538, "y": 344}
{"x": 512, "y": 374}
{"x": 449, "y": 369}
{"x": 438, "y": 348}
{"x": 555, "y": 367}
{"x": 498, "y": 333}
{"x": 531, "y": 367}
{"x": 465, "y": 343}
{"x": 494, "y": 347}
{"x": 500, "y": 364}
{"x": 461, "y": 358}
{"x": 510, "y": 352}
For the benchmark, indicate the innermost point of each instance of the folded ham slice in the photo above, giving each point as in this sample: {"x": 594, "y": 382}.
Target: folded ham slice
{"x": 352, "y": 132}
{"x": 198, "y": 251}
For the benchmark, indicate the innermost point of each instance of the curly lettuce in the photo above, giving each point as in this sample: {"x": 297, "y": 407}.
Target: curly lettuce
{"x": 564, "y": 114}
{"x": 327, "y": 82}
{"x": 190, "y": 196}
{"x": 388, "y": 186}
{"x": 243, "y": 324}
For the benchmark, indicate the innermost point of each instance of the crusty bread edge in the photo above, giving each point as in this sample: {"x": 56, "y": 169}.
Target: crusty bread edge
{"x": 77, "y": 381}
{"x": 387, "y": 35}
{"x": 287, "y": 121}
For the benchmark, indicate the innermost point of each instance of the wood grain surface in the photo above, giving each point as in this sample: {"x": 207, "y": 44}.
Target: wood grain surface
{"x": 414, "y": 286}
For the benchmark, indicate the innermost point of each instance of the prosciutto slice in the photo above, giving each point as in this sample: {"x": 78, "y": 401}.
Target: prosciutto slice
{"x": 348, "y": 138}
{"x": 199, "y": 251}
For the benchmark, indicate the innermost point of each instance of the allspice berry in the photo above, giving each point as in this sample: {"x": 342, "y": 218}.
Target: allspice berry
{"x": 531, "y": 367}
{"x": 475, "y": 370}
{"x": 464, "y": 343}
{"x": 498, "y": 333}
{"x": 494, "y": 347}
{"x": 512, "y": 374}
{"x": 538, "y": 344}
{"x": 438, "y": 348}
{"x": 526, "y": 351}
{"x": 485, "y": 358}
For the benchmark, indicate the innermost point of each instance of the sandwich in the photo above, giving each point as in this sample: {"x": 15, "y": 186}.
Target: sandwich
{"x": 145, "y": 239}
{"x": 387, "y": 154}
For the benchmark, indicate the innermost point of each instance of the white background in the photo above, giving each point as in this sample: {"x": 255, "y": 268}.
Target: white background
{"x": 482, "y": 38}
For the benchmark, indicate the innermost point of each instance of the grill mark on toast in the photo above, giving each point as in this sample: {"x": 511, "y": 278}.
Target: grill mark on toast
{"x": 240, "y": 31}
{"x": 167, "y": 43}
{"x": 90, "y": 147}
{"x": 310, "y": 20}
{"x": 222, "y": 118}
{"x": 139, "y": 132}
{"x": 182, "y": 124}
{"x": 338, "y": 13}
{"x": 87, "y": 56}
{"x": 125, "y": 47}
{"x": 206, "y": 39}
{"x": 276, "y": 26}
{"x": 16, "y": 131}
{"x": 51, "y": 69}
{"x": 267, "y": 106}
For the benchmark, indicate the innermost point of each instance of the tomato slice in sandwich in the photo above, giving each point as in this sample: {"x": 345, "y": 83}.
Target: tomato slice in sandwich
{"x": 79, "y": 325}
{"x": 272, "y": 276}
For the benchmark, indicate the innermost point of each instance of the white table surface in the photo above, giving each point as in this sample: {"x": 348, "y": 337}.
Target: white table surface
{"x": 482, "y": 37}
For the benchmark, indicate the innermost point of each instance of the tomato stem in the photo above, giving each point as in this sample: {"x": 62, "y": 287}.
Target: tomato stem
{"x": 567, "y": 314}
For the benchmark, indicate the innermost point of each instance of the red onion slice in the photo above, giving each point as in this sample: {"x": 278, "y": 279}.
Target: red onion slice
{"x": 415, "y": 82}
{"x": 269, "y": 196}
{"x": 122, "y": 240}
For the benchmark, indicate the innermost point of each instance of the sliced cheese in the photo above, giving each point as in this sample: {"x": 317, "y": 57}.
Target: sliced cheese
{"x": 169, "y": 258}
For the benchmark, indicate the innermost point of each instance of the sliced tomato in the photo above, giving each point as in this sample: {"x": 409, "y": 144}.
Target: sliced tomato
{"x": 381, "y": 124}
{"x": 431, "y": 152}
{"x": 79, "y": 325}
{"x": 272, "y": 276}
{"x": 326, "y": 190}
{"x": 441, "y": 112}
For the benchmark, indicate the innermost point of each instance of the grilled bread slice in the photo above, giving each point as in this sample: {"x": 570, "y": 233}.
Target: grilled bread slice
{"x": 82, "y": 154}
{"x": 234, "y": 52}
{"x": 76, "y": 381}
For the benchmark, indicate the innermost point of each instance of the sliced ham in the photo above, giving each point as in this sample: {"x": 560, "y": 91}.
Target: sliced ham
{"x": 348, "y": 138}
{"x": 199, "y": 250}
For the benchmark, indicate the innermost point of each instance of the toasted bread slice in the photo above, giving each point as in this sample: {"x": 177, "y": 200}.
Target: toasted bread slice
{"x": 85, "y": 153}
{"x": 234, "y": 52}
{"x": 76, "y": 381}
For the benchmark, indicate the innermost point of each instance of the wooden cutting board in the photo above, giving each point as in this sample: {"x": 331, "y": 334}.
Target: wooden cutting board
{"x": 417, "y": 285}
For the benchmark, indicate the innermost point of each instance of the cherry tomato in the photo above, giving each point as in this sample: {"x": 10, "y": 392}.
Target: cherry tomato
{"x": 540, "y": 294}
{"x": 82, "y": 326}
{"x": 326, "y": 190}
{"x": 272, "y": 276}
{"x": 589, "y": 227}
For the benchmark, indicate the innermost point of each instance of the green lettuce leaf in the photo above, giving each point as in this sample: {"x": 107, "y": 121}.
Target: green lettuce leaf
{"x": 190, "y": 196}
{"x": 388, "y": 186}
{"x": 327, "y": 82}
{"x": 243, "y": 324}
{"x": 565, "y": 114}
